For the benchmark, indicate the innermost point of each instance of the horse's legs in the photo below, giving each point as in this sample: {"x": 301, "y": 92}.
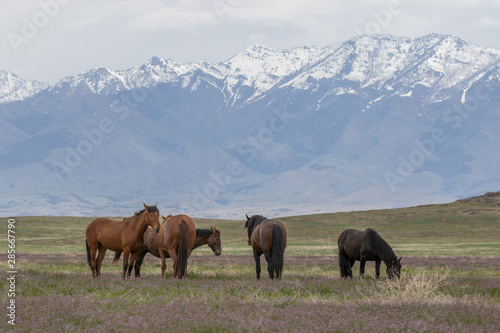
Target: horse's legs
{"x": 377, "y": 268}
{"x": 126, "y": 256}
{"x": 173, "y": 256}
{"x": 362, "y": 262}
{"x": 138, "y": 263}
{"x": 131, "y": 263}
{"x": 256, "y": 256}
{"x": 101, "y": 251}
{"x": 349, "y": 265}
{"x": 93, "y": 252}
{"x": 163, "y": 264}
{"x": 270, "y": 267}
{"x": 175, "y": 266}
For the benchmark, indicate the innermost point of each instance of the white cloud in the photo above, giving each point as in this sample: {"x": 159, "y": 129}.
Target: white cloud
{"x": 179, "y": 18}
{"x": 121, "y": 33}
{"x": 487, "y": 22}
{"x": 84, "y": 23}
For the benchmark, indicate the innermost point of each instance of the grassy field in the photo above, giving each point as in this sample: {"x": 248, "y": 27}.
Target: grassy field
{"x": 450, "y": 280}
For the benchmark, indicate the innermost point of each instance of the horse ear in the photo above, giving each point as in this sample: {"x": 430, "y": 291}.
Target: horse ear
{"x": 247, "y": 217}
{"x": 145, "y": 207}
{"x": 400, "y": 258}
{"x": 163, "y": 217}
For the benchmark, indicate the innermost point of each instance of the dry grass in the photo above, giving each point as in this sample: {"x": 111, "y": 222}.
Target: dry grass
{"x": 417, "y": 286}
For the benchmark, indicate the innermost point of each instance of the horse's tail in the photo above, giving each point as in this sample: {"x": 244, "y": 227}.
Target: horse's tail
{"x": 88, "y": 252}
{"x": 182, "y": 255}
{"x": 343, "y": 265}
{"x": 277, "y": 252}
{"x": 344, "y": 260}
{"x": 117, "y": 257}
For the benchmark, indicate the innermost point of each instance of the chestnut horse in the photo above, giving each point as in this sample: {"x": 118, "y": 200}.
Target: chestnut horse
{"x": 267, "y": 237}
{"x": 177, "y": 236}
{"x": 366, "y": 246}
{"x": 211, "y": 237}
{"x": 125, "y": 236}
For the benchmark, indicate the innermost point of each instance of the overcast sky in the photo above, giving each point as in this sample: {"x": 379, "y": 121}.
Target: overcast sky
{"x": 47, "y": 40}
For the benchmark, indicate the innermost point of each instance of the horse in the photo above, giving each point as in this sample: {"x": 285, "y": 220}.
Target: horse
{"x": 267, "y": 237}
{"x": 176, "y": 237}
{"x": 211, "y": 237}
{"x": 125, "y": 236}
{"x": 366, "y": 246}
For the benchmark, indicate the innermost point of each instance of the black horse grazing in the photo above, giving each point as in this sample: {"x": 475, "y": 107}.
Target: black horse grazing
{"x": 366, "y": 246}
{"x": 267, "y": 237}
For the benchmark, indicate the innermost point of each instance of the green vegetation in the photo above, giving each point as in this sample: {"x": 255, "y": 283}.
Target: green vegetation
{"x": 468, "y": 227}
{"x": 450, "y": 279}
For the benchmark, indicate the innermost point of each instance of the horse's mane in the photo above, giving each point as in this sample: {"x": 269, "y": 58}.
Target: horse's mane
{"x": 379, "y": 245}
{"x": 254, "y": 221}
{"x": 206, "y": 232}
{"x": 151, "y": 209}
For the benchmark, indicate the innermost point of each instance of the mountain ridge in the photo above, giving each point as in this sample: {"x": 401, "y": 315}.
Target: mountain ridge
{"x": 314, "y": 55}
{"x": 377, "y": 121}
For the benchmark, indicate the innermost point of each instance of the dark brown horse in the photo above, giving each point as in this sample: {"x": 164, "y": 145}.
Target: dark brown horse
{"x": 267, "y": 237}
{"x": 211, "y": 237}
{"x": 177, "y": 236}
{"x": 366, "y": 246}
{"x": 125, "y": 236}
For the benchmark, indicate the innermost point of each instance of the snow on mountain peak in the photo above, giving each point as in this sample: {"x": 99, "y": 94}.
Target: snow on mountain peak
{"x": 262, "y": 67}
{"x": 379, "y": 61}
{"x": 13, "y": 88}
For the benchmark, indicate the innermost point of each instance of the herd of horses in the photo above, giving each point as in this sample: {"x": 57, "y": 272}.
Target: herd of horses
{"x": 177, "y": 237}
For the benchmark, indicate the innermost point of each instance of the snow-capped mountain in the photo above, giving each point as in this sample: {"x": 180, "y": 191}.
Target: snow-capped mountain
{"x": 436, "y": 62}
{"x": 257, "y": 68}
{"x": 13, "y": 88}
{"x": 376, "y": 121}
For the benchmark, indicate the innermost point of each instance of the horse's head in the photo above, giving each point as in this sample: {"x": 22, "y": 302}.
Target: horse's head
{"x": 152, "y": 216}
{"x": 214, "y": 241}
{"x": 251, "y": 223}
{"x": 395, "y": 269}
{"x": 248, "y": 229}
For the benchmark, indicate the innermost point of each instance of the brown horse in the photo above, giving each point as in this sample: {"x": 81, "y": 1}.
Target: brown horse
{"x": 125, "y": 236}
{"x": 267, "y": 237}
{"x": 177, "y": 236}
{"x": 211, "y": 237}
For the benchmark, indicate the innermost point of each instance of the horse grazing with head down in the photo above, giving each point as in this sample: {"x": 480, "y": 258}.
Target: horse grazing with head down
{"x": 267, "y": 237}
{"x": 125, "y": 236}
{"x": 177, "y": 236}
{"x": 211, "y": 237}
{"x": 366, "y": 246}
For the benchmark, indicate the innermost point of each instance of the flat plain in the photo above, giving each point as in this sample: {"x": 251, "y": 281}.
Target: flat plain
{"x": 450, "y": 279}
